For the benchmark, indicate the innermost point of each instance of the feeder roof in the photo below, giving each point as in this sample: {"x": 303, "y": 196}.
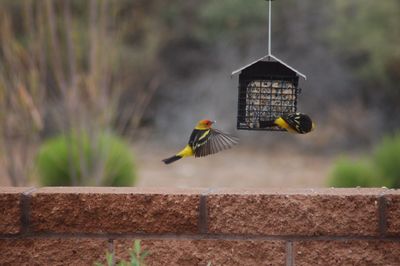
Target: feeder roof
{"x": 269, "y": 57}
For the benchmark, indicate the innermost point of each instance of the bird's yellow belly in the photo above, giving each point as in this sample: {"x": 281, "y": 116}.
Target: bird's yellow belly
{"x": 281, "y": 123}
{"x": 187, "y": 151}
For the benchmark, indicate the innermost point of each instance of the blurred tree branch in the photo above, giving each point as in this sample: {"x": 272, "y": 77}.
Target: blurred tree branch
{"x": 59, "y": 76}
{"x": 21, "y": 98}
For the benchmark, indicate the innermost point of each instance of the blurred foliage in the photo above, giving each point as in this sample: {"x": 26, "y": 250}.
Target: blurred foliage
{"x": 382, "y": 169}
{"x": 101, "y": 65}
{"x": 386, "y": 158}
{"x": 78, "y": 160}
{"x": 367, "y": 33}
{"x": 97, "y": 65}
{"x": 232, "y": 18}
{"x": 21, "y": 96}
{"x": 349, "y": 173}
{"x": 63, "y": 70}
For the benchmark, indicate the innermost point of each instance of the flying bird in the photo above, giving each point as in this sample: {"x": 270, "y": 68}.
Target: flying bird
{"x": 295, "y": 123}
{"x": 204, "y": 141}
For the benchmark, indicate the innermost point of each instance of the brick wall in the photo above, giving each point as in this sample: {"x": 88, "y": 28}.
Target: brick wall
{"x": 75, "y": 226}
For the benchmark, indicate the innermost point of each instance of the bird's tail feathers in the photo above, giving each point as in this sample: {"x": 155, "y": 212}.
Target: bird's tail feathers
{"x": 172, "y": 159}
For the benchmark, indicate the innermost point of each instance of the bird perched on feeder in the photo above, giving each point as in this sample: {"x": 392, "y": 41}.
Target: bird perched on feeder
{"x": 295, "y": 123}
{"x": 204, "y": 141}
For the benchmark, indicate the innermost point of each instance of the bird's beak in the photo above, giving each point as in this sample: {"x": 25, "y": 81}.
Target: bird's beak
{"x": 213, "y": 122}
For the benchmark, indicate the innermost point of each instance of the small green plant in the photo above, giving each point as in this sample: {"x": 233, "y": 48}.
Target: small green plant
{"x": 137, "y": 257}
{"x": 83, "y": 160}
{"x": 380, "y": 169}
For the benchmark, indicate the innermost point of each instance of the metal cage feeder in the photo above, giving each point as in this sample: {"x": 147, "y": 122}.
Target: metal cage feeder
{"x": 268, "y": 88}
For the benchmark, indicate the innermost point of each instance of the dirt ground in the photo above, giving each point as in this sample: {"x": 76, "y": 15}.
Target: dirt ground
{"x": 239, "y": 167}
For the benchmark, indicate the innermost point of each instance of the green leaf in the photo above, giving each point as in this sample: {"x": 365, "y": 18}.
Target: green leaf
{"x": 122, "y": 263}
{"x": 109, "y": 258}
{"x": 137, "y": 247}
{"x": 134, "y": 259}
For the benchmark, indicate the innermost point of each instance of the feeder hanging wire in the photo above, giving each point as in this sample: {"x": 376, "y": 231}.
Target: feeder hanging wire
{"x": 269, "y": 56}
{"x": 269, "y": 27}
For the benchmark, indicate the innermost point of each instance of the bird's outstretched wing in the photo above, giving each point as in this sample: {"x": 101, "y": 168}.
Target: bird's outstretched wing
{"x": 216, "y": 141}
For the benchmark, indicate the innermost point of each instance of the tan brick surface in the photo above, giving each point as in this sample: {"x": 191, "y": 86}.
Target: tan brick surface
{"x": 354, "y": 252}
{"x": 52, "y": 251}
{"x": 294, "y": 212}
{"x": 115, "y": 210}
{"x": 393, "y": 212}
{"x": 10, "y": 209}
{"x": 201, "y": 252}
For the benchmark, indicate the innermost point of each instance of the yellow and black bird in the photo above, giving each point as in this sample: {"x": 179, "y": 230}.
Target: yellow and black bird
{"x": 204, "y": 141}
{"x": 295, "y": 123}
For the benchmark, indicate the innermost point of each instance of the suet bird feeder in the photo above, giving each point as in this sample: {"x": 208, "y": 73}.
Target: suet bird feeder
{"x": 268, "y": 88}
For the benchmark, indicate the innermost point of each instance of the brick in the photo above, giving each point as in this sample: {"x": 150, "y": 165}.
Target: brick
{"x": 115, "y": 210}
{"x": 393, "y": 212}
{"x": 10, "y": 209}
{"x": 201, "y": 252}
{"x": 294, "y": 212}
{"x": 29, "y": 251}
{"x": 355, "y": 252}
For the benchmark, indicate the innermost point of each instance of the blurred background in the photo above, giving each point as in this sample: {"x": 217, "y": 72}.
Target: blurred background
{"x": 97, "y": 92}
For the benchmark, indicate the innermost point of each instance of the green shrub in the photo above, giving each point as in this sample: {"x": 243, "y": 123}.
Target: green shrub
{"x": 349, "y": 173}
{"x": 382, "y": 169}
{"x": 77, "y": 159}
{"x": 387, "y": 160}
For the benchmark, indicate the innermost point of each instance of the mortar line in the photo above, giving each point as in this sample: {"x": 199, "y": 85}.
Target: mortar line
{"x": 203, "y": 225}
{"x": 111, "y": 249}
{"x": 25, "y": 209}
{"x": 203, "y": 212}
{"x": 289, "y": 254}
{"x": 382, "y": 222}
{"x": 208, "y": 236}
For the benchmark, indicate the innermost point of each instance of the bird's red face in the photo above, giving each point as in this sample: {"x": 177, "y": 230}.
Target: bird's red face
{"x": 205, "y": 124}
